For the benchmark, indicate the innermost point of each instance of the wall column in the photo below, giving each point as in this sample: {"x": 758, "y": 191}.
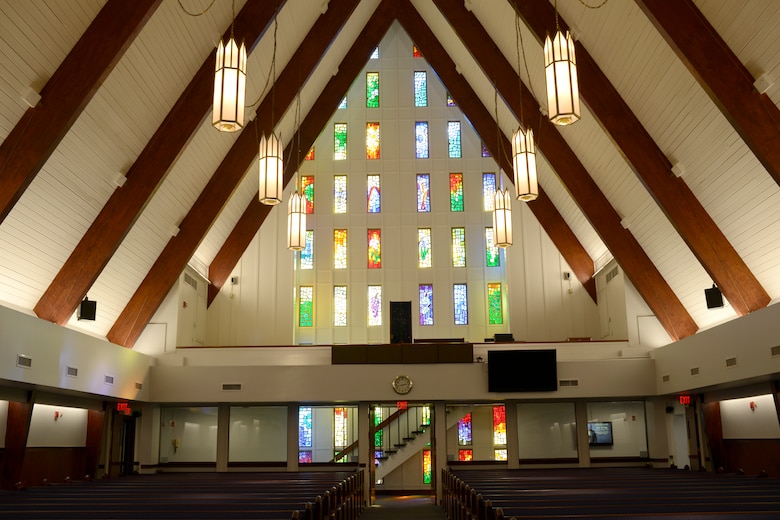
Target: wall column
{"x": 223, "y": 437}
{"x": 583, "y": 440}
{"x": 17, "y": 429}
{"x": 95, "y": 422}
{"x": 149, "y": 443}
{"x": 657, "y": 435}
{"x": 292, "y": 437}
{"x": 439, "y": 445}
{"x": 365, "y": 446}
{"x": 512, "y": 442}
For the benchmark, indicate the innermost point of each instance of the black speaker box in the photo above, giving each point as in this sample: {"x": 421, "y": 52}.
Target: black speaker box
{"x": 714, "y": 297}
{"x": 87, "y": 310}
{"x": 400, "y": 322}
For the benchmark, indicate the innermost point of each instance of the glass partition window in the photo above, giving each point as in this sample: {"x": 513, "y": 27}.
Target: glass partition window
{"x": 327, "y": 434}
{"x": 617, "y": 429}
{"x": 188, "y": 434}
{"x": 479, "y": 434}
{"x": 546, "y": 431}
{"x": 258, "y": 434}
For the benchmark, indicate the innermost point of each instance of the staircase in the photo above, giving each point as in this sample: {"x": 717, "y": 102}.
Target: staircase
{"x": 404, "y": 433}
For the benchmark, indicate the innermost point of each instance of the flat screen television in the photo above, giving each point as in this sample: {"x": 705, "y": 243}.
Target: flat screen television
{"x": 600, "y": 433}
{"x": 522, "y": 370}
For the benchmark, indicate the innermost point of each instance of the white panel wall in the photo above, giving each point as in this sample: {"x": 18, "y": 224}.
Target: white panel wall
{"x": 57, "y": 426}
{"x": 750, "y": 418}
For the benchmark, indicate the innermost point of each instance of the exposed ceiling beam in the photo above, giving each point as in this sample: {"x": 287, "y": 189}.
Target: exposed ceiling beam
{"x": 254, "y": 215}
{"x": 597, "y": 209}
{"x": 695, "y": 226}
{"x": 37, "y": 134}
{"x": 173, "y": 259}
{"x": 118, "y": 215}
{"x": 720, "y": 73}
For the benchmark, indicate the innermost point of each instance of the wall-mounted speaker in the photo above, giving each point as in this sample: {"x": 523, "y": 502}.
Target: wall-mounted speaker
{"x": 87, "y": 310}
{"x": 714, "y": 297}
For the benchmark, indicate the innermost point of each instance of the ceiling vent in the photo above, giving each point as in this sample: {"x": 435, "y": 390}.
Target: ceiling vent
{"x": 569, "y": 382}
{"x": 231, "y": 387}
{"x": 109, "y": 380}
{"x": 139, "y": 386}
{"x": 776, "y": 351}
{"x": 695, "y": 371}
{"x": 666, "y": 378}
{"x": 23, "y": 361}
{"x": 189, "y": 280}
{"x": 613, "y": 273}
{"x": 71, "y": 371}
{"x": 731, "y": 362}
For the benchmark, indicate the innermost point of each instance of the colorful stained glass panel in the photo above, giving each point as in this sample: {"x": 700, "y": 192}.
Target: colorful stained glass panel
{"x": 340, "y": 306}
{"x": 450, "y": 100}
{"x": 453, "y": 139}
{"x": 306, "y": 306}
{"x": 374, "y": 249}
{"x": 340, "y": 430}
{"x": 307, "y": 187}
{"x": 495, "y": 314}
{"x": 458, "y": 247}
{"x": 456, "y": 192}
{"x": 485, "y": 151}
{"x": 307, "y": 255}
{"x": 374, "y": 305}
{"x": 492, "y": 255}
{"x": 372, "y": 140}
{"x": 427, "y": 467}
{"x": 421, "y": 139}
{"x": 488, "y": 191}
{"x": 416, "y": 52}
{"x": 305, "y": 457}
{"x": 465, "y": 455}
{"x": 379, "y": 415}
{"x": 500, "y": 454}
{"x": 304, "y": 427}
{"x": 499, "y": 425}
{"x": 372, "y": 90}
{"x": 426, "y": 304}
{"x": 339, "y": 249}
{"x": 309, "y": 155}
{"x": 424, "y": 258}
{"x": 460, "y": 302}
{"x": 373, "y": 194}
{"x": 464, "y": 430}
{"x": 339, "y": 194}
{"x": 423, "y": 192}
{"x": 343, "y": 103}
{"x": 340, "y": 141}
{"x": 420, "y": 88}
{"x": 425, "y": 415}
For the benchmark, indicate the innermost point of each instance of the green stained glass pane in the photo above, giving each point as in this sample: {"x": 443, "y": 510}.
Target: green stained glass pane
{"x": 495, "y": 314}
{"x": 372, "y": 90}
{"x": 456, "y": 192}
{"x": 458, "y": 247}
{"x": 378, "y": 418}
{"x": 306, "y": 306}
{"x": 427, "y": 467}
{"x": 424, "y": 248}
{"x": 307, "y": 187}
{"x": 340, "y": 141}
{"x": 492, "y": 256}
{"x": 420, "y": 89}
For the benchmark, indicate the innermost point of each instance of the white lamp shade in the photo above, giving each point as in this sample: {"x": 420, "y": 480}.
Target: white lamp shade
{"x": 296, "y": 222}
{"x": 229, "y": 87}
{"x": 524, "y": 165}
{"x": 271, "y": 180}
{"x": 560, "y": 66}
{"x": 502, "y": 219}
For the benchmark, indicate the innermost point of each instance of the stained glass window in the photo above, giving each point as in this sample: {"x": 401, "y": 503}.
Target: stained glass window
{"x": 453, "y": 139}
{"x": 499, "y": 454}
{"x": 340, "y": 141}
{"x": 372, "y": 90}
{"x": 456, "y": 192}
{"x": 488, "y": 191}
{"x": 464, "y": 430}
{"x": 426, "y": 304}
{"x": 306, "y": 306}
{"x": 339, "y": 305}
{"x": 423, "y": 192}
{"x": 304, "y": 427}
{"x": 427, "y": 467}
{"x": 421, "y": 139}
{"x": 339, "y": 194}
{"x": 458, "y": 247}
{"x": 485, "y": 151}
{"x": 450, "y": 100}
{"x": 307, "y": 187}
{"x": 499, "y": 425}
{"x": 420, "y": 88}
{"x": 492, "y": 255}
{"x": 379, "y": 415}
{"x": 424, "y": 248}
{"x": 425, "y": 415}
{"x": 465, "y": 455}
{"x": 372, "y": 140}
{"x": 305, "y": 457}
{"x": 309, "y": 155}
{"x": 374, "y": 249}
{"x": 416, "y": 52}
{"x": 340, "y": 430}
{"x": 375, "y": 54}
{"x": 339, "y": 249}
{"x": 495, "y": 315}
{"x": 307, "y": 255}
{"x": 374, "y": 305}
{"x": 373, "y": 194}
{"x": 460, "y": 302}
{"x": 343, "y": 103}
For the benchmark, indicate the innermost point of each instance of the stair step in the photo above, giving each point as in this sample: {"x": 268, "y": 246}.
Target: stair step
{"x": 390, "y": 452}
{"x": 418, "y": 432}
{"x": 382, "y": 458}
{"x": 408, "y": 439}
{"x": 399, "y": 445}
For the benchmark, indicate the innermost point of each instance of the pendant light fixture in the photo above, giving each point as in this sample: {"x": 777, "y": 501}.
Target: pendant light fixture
{"x": 229, "y": 84}
{"x": 270, "y": 163}
{"x": 502, "y": 204}
{"x": 523, "y": 145}
{"x": 560, "y": 67}
{"x": 296, "y": 208}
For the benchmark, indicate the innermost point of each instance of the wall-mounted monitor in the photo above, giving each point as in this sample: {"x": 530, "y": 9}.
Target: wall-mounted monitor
{"x": 522, "y": 370}
{"x": 600, "y": 434}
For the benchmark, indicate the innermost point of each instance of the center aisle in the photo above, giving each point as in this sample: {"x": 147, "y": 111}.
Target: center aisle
{"x": 408, "y": 507}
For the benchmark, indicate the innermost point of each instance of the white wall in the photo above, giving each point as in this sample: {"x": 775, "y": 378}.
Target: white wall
{"x": 258, "y": 433}
{"x": 57, "y": 426}
{"x": 740, "y": 420}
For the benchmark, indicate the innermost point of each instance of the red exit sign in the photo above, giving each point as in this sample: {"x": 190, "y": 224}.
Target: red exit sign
{"x": 685, "y": 400}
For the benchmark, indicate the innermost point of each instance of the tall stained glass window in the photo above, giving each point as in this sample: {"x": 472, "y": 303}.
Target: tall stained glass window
{"x": 492, "y": 256}
{"x": 453, "y": 139}
{"x": 500, "y": 454}
{"x": 339, "y": 249}
{"x": 420, "y": 88}
{"x": 339, "y": 305}
{"x": 309, "y": 155}
{"x": 372, "y": 140}
{"x": 460, "y": 301}
{"x": 416, "y": 52}
{"x": 306, "y": 306}
{"x": 372, "y": 90}
{"x": 340, "y": 141}
{"x": 465, "y": 455}
{"x": 339, "y": 194}
{"x": 464, "y": 430}
{"x": 304, "y": 426}
{"x": 423, "y": 192}
{"x": 456, "y": 192}
{"x": 499, "y": 425}
{"x": 458, "y": 247}
{"x": 450, "y": 100}
{"x": 495, "y": 314}
{"x": 340, "y": 428}
{"x": 374, "y": 249}
{"x": 488, "y": 191}
{"x": 373, "y": 194}
{"x": 375, "y": 54}
{"x": 307, "y": 187}
{"x": 305, "y": 457}
{"x": 485, "y": 151}
{"x": 343, "y": 103}
{"x": 421, "y": 139}
{"x": 307, "y": 255}
{"x": 379, "y": 415}
{"x": 425, "y": 415}
{"x": 427, "y": 467}
{"x": 374, "y": 305}
{"x": 424, "y": 248}
{"x": 426, "y": 304}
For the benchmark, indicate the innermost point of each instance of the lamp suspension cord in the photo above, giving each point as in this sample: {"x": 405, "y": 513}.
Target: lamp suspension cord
{"x": 206, "y": 10}
{"x": 271, "y": 72}
{"x": 594, "y": 6}
{"x": 521, "y": 48}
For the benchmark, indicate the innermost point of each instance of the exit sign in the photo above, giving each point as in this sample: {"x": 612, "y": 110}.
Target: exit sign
{"x": 685, "y": 400}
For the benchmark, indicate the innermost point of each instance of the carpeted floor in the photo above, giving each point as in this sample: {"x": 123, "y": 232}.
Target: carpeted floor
{"x": 406, "y": 507}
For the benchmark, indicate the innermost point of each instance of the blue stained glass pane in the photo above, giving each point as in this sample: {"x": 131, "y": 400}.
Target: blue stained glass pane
{"x": 304, "y": 426}
{"x": 488, "y": 191}
{"x": 464, "y": 430}
{"x": 485, "y": 151}
{"x": 421, "y": 139}
{"x": 423, "y": 193}
{"x": 343, "y": 103}
{"x": 420, "y": 89}
{"x": 375, "y": 54}
{"x": 453, "y": 139}
{"x": 340, "y": 194}
{"x": 307, "y": 255}
{"x": 426, "y": 304}
{"x": 460, "y": 302}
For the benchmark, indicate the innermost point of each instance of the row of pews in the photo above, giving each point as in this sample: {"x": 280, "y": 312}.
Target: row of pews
{"x": 325, "y": 495}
